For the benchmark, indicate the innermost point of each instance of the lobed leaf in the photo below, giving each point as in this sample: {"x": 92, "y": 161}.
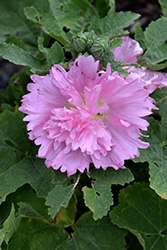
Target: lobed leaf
{"x": 153, "y": 41}
{"x": 54, "y": 55}
{"x": 14, "y": 22}
{"x": 143, "y": 213}
{"x": 113, "y": 24}
{"x": 25, "y": 58}
{"x": 18, "y": 165}
{"x": 99, "y": 197}
{"x": 156, "y": 154}
{"x": 9, "y": 227}
{"x": 95, "y": 235}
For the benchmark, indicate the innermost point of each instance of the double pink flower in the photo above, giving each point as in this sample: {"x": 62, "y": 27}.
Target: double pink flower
{"x": 88, "y": 116}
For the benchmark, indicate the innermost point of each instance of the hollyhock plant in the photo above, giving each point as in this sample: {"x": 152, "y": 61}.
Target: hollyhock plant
{"x": 128, "y": 52}
{"x": 86, "y": 116}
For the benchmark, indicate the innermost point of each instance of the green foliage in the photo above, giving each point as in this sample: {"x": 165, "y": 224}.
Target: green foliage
{"x": 36, "y": 233}
{"x": 113, "y": 24}
{"x": 59, "y": 197}
{"x": 22, "y": 166}
{"x": 156, "y": 155}
{"x": 153, "y": 41}
{"x": 143, "y": 213}
{"x": 13, "y": 21}
{"x": 9, "y": 227}
{"x": 53, "y": 55}
{"x": 163, "y": 4}
{"x": 95, "y": 235}
{"x": 42, "y": 208}
{"x": 99, "y": 197}
{"x": 25, "y": 58}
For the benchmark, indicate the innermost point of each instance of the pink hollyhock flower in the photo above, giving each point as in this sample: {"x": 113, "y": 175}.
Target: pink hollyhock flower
{"x": 84, "y": 116}
{"x": 128, "y": 52}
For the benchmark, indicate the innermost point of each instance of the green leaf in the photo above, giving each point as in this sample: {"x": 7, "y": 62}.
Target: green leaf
{"x": 74, "y": 15}
{"x": 60, "y": 197}
{"x": 113, "y": 24}
{"x": 115, "y": 65}
{"x": 160, "y": 96}
{"x": 36, "y": 233}
{"x": 156, "y": 48}
{"x": 116, "y": 43}
{"x": 48, "y": 23}
{"x": 156, "y": 154}
{"x": 95, "y": 235}
{"x": 53, "y": 55}
{"x": 18, "y": 165}
{"x": 66, "y": 216}
{"x": 163, "y": 4}
{"x": 25, "y": 195}
{"x": 65, "y": 19}
{"x": 143, "y": 213}
{"x": 19, "y": 56}
{"x": 17, "y": 87}
{"x": 9, "y": 227}
{"x": 99, "y": 197}
{"x": 13, "y": 21}
{"x": 139, "y": 37}
{"x": 102, "y": 7}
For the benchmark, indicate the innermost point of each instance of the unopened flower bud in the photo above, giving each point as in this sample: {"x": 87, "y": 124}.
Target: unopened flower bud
{"x": 100, "y": 47}
{"x": 78, "y": 43}
{"x": 91, "y": 38}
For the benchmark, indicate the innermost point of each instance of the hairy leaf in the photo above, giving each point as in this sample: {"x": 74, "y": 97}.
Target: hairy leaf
{"x": 156, "y": 154}
{"x": 143, "y": 213}
{"x": 113, "y": 24}
{"x": 19, "y": 56}
{"x": 60, "y": 197}
{"x": 14, "y": 22}
{"x": 37, "y": 233}
{"x": 53, "y": 55}
{"x": 95, "y": 235}
{"x": 154, "y": 43}
{"x": 99, "y": 197}
{"x": 9, "y": 227}
{"x": 18, "y": 164}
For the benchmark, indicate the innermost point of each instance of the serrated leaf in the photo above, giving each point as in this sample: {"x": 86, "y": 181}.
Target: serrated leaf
{"x": 48, "y": 23}
{"x": 18, "y": 164}
{"x": 156, "y": 48}
{"x": 17, "y": 87}
{"x": 36, "y": 233}
{"x": 13, "y": 21}
{"x": 19, "y": 56}
{"x": 143, "y": 213}
{"x": 26, "y": 195}
{"x": 74, "y": 15}
{"x": 53, "y": 55}
{"x": 9, "y": 227}
{"x": 156, "y": 154}
{"x": 163, "y": 4}
{"x": 102, "y": 7}
{"x": 139, "y": 37}
{"x": 65, "y": 19}
{"x": 115, "y": 65}
{"x": 59, "y": 197}
{"x": 66, "y": 216}
{"x": 99, "y": 197}
{"x": 113, "y": 24}
{"x": 95, "y": 235}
